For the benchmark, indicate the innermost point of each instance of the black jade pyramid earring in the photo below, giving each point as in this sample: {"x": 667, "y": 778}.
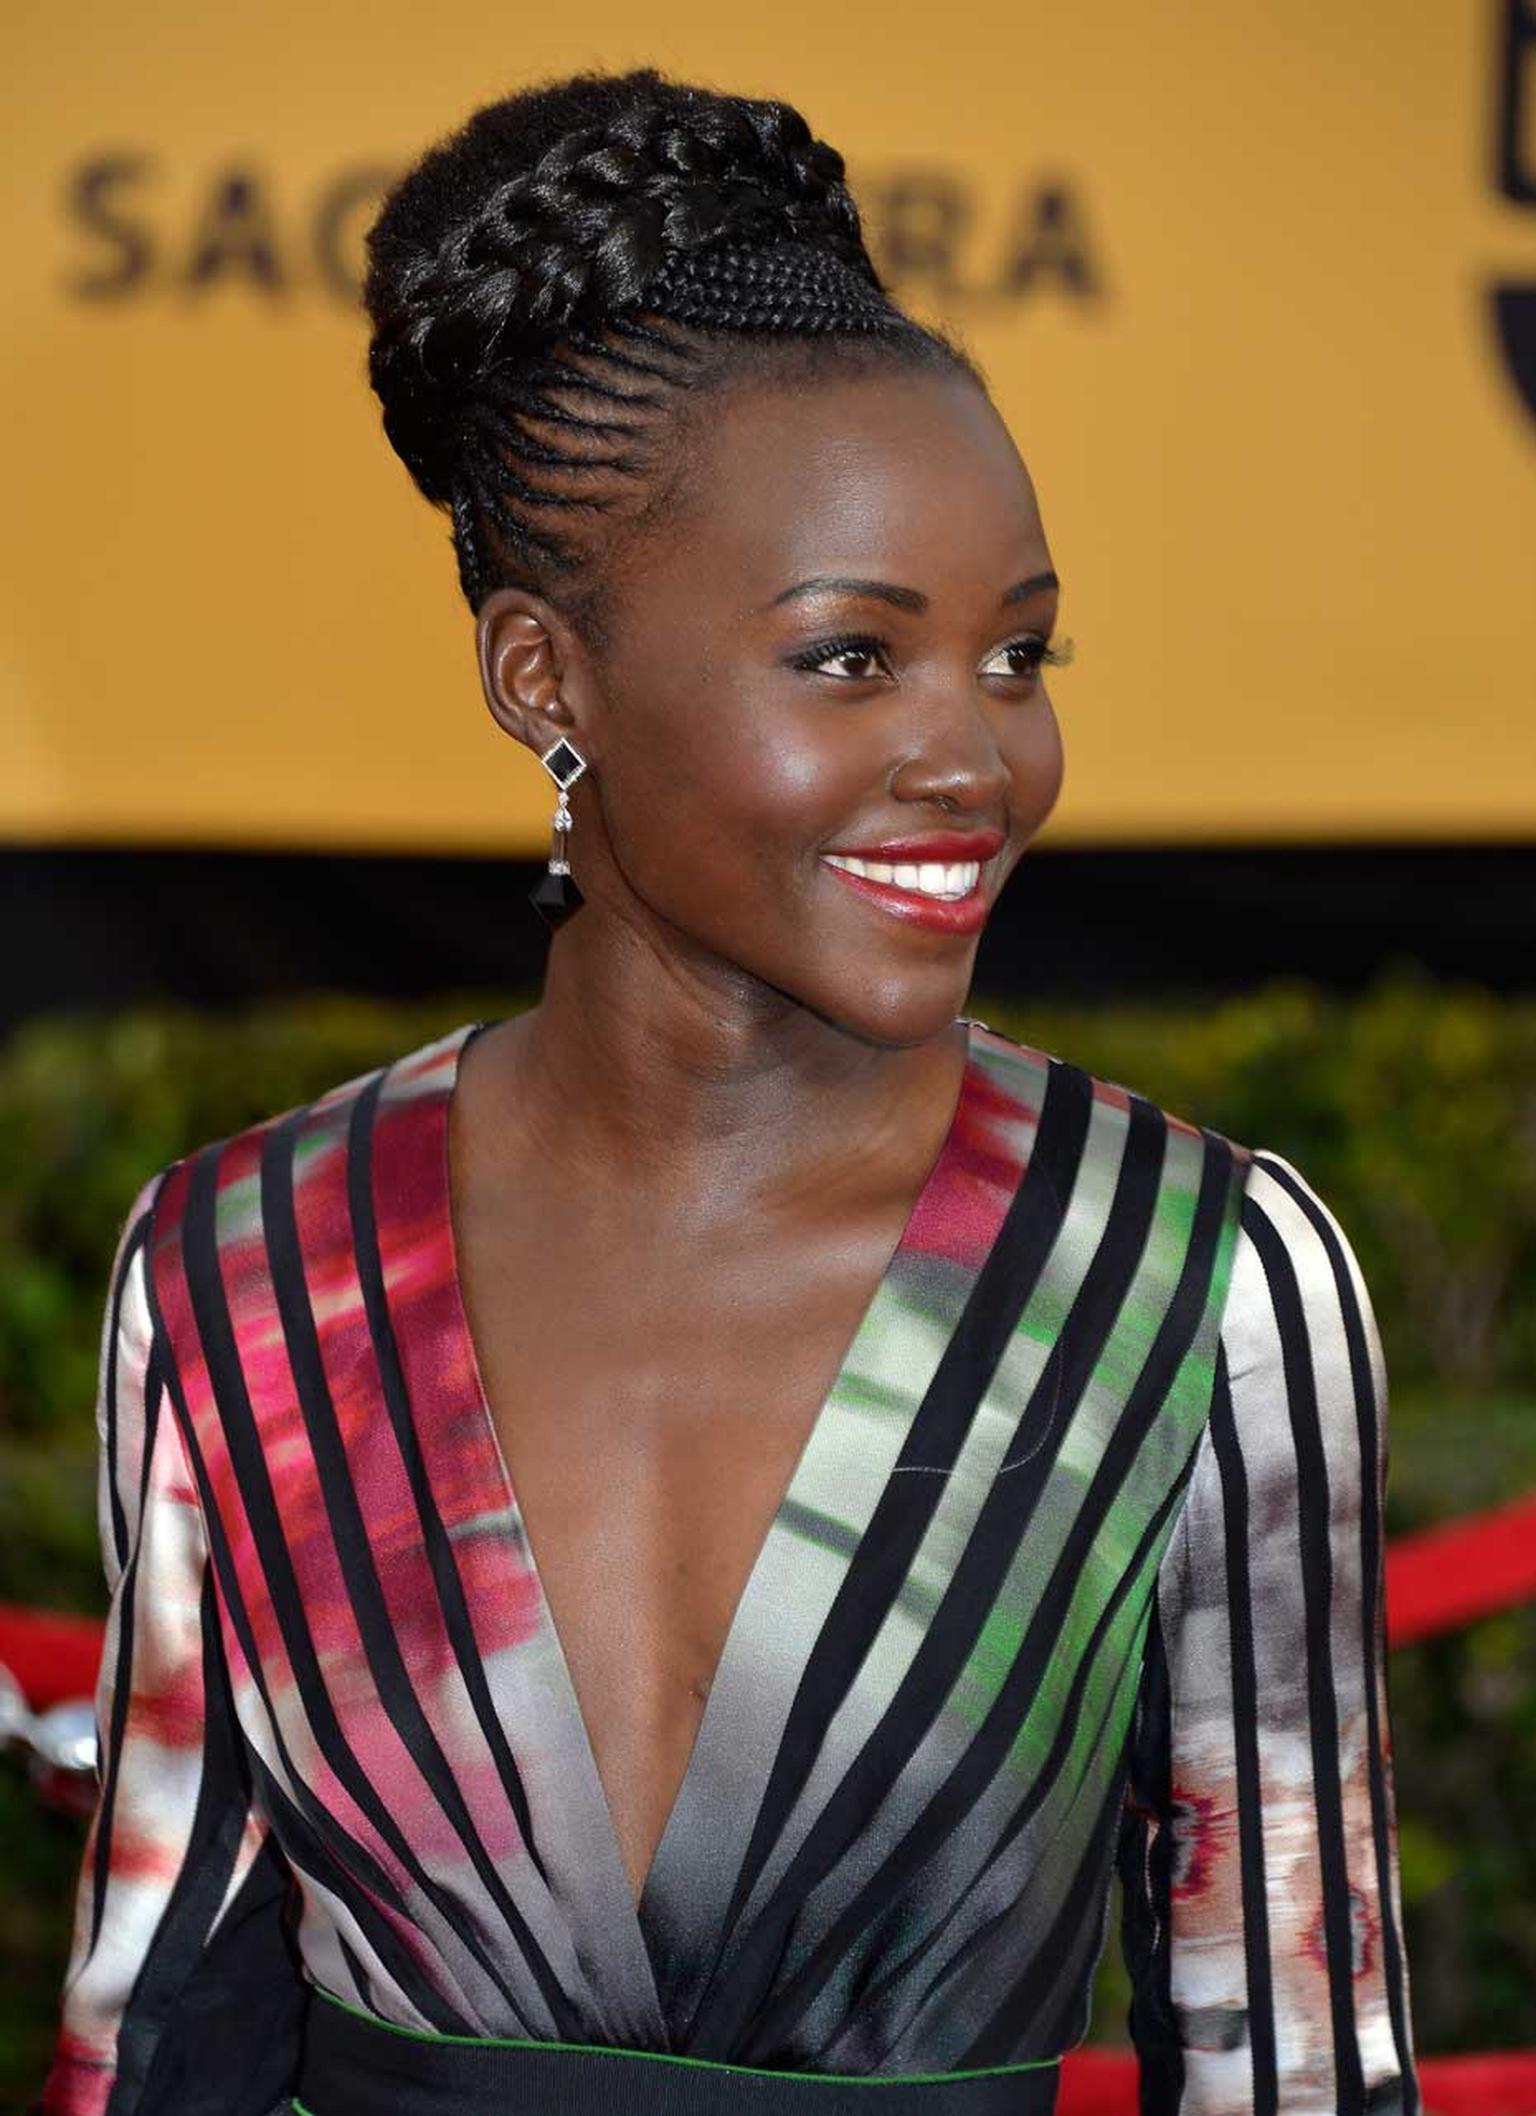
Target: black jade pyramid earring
{"x": 556, "y": 896}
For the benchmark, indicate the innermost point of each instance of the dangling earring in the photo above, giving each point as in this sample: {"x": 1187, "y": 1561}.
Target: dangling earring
{"x": 555, "y": 896}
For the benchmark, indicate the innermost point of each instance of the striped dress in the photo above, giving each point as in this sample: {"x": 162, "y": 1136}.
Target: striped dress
{"x": 1079, "y": 1569}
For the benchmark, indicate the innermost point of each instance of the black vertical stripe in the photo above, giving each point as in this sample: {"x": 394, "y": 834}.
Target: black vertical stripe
{"x": 207, "y": 1867}
{"x": 369, "y": 1871}
{"x": 1066, "y": 2011}
{"x": 362, "y": 1983}
{"x": 127, "y": 1641}
{"x": 1245, "y": 1742}
{"x": 307, "y": 1852}
{"x": 343, "y": 1852}
{"x": 1144, "y": 1854}
{"x": 1068, "y": 1935}
{"x": 1316, "y": 1562}
{"x": 1373, "y": 1611}
{"x": 204, "y": 1280}
{"x": 127, "y": 1560}
{"x": 354, "y": 1551}
{"x": 233, "y": 2047}
{"x": 435, "y": 1537}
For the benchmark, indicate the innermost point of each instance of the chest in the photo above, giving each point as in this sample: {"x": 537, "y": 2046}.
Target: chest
{"x": 651, "y": 1395}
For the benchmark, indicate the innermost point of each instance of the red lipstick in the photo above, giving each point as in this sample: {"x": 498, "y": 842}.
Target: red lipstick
{"x": 944, "y": 845}
{"x": 960, "y": 916}
{"x": 964, "y": 914}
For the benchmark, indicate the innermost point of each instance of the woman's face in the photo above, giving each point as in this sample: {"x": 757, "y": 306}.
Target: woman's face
{"x": 828, "y": 649}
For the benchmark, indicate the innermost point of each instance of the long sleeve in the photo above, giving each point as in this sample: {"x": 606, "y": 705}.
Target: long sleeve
{"x": 1262, "y": 1910}
{"x": 180, "y": 1990}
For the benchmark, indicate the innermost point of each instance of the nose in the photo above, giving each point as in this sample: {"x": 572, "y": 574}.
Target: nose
{"x": 954, "y": 760}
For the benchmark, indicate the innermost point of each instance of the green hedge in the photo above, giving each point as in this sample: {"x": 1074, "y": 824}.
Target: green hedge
{"x": 1412, "y": 1110}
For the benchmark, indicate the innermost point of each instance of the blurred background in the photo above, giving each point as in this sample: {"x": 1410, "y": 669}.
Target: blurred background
{"x": 1255, "y": 288}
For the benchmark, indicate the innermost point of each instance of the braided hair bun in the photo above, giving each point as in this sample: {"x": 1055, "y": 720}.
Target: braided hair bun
{"x": 544, "y": 277}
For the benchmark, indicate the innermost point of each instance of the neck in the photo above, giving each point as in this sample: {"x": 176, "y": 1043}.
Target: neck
{"x": 700, "y": 1081}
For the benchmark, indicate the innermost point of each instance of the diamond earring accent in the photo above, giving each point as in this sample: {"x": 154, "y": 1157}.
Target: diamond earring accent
{"x": 556, "y": 895}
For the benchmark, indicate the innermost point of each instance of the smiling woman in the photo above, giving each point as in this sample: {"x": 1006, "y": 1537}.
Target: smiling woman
{"x": 662, "y": 1548}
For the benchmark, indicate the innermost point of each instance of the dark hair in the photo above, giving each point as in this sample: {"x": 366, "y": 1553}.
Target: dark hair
{"x": 551, "y": 287}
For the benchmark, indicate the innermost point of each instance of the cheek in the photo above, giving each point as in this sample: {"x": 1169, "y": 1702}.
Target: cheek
{"x": 1037, "y": 762}
{"x": 729, "y": 783}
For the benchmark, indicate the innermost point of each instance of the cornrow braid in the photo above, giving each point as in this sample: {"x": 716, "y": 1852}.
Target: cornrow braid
{"x": 792, "y": 287}
{"x": 552, "y": 286}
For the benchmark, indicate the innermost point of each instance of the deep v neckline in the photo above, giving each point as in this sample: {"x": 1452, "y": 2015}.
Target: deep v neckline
{"x": 717, "y": 1702}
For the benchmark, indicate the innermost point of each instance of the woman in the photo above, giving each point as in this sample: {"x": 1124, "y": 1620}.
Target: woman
{"x": 662, "y": 1547}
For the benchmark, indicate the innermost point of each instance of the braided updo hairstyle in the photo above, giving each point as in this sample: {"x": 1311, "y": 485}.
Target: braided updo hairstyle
{"x": 555, "y": 286}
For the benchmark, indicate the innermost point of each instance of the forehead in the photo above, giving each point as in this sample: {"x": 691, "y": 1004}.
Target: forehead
{"x": 912, "y": 477}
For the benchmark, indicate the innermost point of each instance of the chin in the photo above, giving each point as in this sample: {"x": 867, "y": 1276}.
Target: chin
{"x": 900, "y": 1012}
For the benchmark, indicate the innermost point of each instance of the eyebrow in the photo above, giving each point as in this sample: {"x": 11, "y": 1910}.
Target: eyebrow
{"x": 900, "y": 598}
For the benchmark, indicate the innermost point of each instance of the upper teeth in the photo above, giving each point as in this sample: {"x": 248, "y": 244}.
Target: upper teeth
{"x": 928, "y": 878}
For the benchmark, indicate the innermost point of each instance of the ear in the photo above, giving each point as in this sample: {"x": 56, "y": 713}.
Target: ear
{"x": 531, "y": 667}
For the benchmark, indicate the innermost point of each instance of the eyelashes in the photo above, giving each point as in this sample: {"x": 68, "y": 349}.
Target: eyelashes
{"x": 1036, "y": 650}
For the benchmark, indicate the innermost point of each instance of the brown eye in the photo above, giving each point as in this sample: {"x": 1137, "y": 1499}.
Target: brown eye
{"x": 847, "y": 657}
{"x": 1024, "y": 657}
{"x": 862, "y": 656}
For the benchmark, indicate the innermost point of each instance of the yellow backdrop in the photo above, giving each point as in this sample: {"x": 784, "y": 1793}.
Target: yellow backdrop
{"x": 1234, "y": 269}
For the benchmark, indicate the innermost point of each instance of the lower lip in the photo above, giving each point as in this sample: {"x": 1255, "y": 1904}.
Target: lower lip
{"x": 961, "y": 914}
